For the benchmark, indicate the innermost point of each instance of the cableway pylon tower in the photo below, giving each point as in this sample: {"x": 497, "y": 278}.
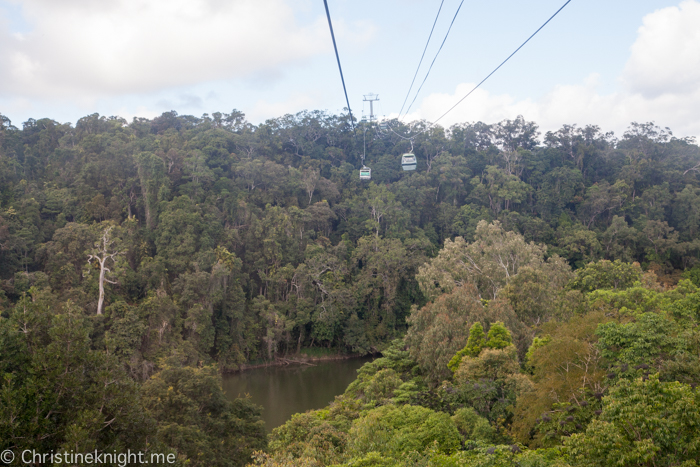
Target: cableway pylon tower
{"x": 366, "y": 172}
{"x": 371, "y": 98}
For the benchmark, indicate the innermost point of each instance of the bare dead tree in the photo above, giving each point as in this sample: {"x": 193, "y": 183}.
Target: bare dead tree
{"x": 695, "y": 168}
{"x": 105, "y": 251}
{"x": 309, "y": 179}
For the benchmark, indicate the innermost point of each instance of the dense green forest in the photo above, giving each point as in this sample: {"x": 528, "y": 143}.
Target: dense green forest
{"x": 531, "y": 294}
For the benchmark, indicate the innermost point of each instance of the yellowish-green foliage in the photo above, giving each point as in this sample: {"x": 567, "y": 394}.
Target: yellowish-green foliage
{"x": 605, "y": 274}
{"x": 644, "y": 422}
{"x": 500, "y": 310}
{"x": 623, "y": 304}
{"x": 489, "y": 455}
{"x": 380, "y": 380}
{"x": 473, "y": 427}
{"x": 476, "y": 340}
{"x": 395, "y": 431}
{"x": 342, "y": 411}
{"x": 569, "y": 368}
{"x": 309, "y": 438}
{"x": 379, "y": 387}
{"x": 537, "y": 342}
{"x": 666, "y": 341}
{"x": 475, "y": 343}
{"x": 498, "y": 338}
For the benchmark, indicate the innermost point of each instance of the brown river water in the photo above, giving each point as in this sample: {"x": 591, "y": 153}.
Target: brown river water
{"x": 286, "y": 390}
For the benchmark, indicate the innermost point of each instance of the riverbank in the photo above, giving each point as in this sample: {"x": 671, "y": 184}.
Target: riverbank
{"x": 297, "y": 359}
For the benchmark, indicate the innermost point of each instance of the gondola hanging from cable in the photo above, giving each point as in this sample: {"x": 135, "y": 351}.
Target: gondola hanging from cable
{"x": 408, "y": 162}
{"x": 365, "y": 173}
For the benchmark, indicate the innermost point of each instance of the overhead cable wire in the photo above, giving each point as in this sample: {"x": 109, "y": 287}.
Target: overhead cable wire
{"x": 330, "y": 25}
{"x": 421, "y": 57}
{"x": 410, "y": 138}
{"x": 502, "y": 63}
{"x": 435, "y": 58}
{"x": 490, "y": 74}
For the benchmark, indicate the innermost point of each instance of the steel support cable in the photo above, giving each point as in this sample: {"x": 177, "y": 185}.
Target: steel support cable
{"x": 421, "y": 57}
{"x": 400, "y": 136}
{"x": 330, "y": 25}
{"x": 435, "y": 58}
{"x": 489, "y": 75}
{"x": 502, "y": 63}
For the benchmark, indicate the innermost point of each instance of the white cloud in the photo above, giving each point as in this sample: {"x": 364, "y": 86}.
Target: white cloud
{"x": 660, "y": 83}
{"x": 666, "y": 55}
{"x": 99, "y": 48}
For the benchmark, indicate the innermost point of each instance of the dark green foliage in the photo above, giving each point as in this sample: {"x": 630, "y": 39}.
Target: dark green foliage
{"x": 491, "y": 383}
{"x": 197, "y": 420}
{"x": 56, "y": 391}
{"x": 567, "y": 418}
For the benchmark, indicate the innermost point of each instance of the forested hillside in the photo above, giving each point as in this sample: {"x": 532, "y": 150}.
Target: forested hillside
{"x": 156, "y": 253}
{"x": 238, "y": 242}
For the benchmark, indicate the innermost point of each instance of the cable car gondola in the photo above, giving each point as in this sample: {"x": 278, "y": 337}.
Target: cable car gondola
{"x": 365, "y": 173}
{"x": 408, "y": 162}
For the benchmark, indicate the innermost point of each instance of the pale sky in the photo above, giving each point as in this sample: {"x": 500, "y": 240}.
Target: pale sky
{"x": 601, "y": 62}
